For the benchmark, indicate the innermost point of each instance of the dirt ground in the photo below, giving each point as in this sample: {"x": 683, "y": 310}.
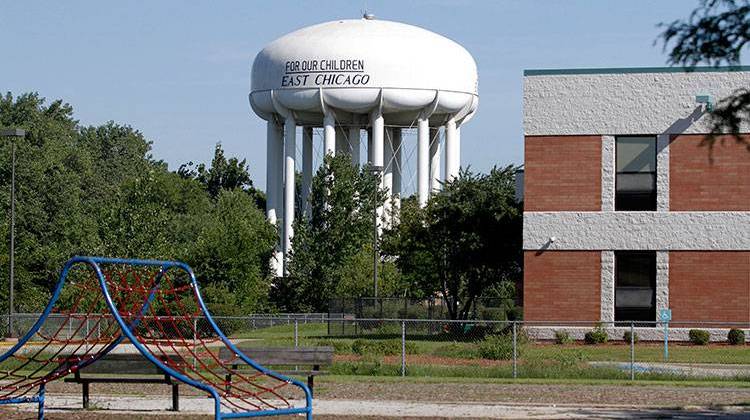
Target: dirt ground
{"x": 621, "y": 395}
{"x": 611, "y": 401}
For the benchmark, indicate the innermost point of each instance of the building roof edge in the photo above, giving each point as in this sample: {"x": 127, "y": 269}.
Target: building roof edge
{"x": 634, "y": 70}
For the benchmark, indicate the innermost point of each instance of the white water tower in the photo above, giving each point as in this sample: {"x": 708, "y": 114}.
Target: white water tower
{"x": 346, "y": 76}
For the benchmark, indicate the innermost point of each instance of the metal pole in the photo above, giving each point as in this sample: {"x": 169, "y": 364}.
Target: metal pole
{"x": 12, "y": 237}
{"x": 403, "y": 348}
{"x": 515, "y": 352}
{"x": 632, "y": 352}
{"x": 666, "y": 341}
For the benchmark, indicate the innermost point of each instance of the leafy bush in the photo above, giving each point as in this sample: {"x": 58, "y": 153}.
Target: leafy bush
{"x": 596, "y": 336}
{"x": 736, "y": 337}
{"x": 497, "y": 347}
{"x": 699, "y": 337}
{"x": 562, "y": 337}
{"x": 626, "y": 337}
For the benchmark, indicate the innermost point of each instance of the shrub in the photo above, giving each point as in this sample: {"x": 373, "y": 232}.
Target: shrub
{"x": 626, "y": 337}
{"x": 699, "y": 337}
{"x": 736, "y": 337}
{"x": 497, "y": 347}
{"x": 596, "y": 336}
{"x": 562, "y": 337}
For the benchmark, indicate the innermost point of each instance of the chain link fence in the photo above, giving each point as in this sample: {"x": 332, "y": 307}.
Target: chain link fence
{"x": 476, "y": 348}
{"x": 495, "y": 309}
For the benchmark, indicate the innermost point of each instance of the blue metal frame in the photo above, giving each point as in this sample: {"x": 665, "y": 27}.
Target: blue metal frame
{"x": 94, "y": 263}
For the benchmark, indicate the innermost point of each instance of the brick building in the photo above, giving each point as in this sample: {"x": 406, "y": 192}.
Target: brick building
{"x": 626, "y": 212}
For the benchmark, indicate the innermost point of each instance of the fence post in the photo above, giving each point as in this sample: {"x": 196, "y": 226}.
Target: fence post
{"x": 296, "y": 333}
{"x": 70, "y": 328}
{"x": 515, "y": 351}
{"x": 632, "y": 352}
{"x": 403, "y": 348}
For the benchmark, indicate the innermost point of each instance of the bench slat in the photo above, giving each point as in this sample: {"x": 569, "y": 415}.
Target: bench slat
{"x": 119, "y": 380}
{"x": 134, "y": 364}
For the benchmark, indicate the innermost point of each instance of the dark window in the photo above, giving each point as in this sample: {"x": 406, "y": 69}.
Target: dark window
{"x": 635, "y": 182}
{"x": 635, "y": 286}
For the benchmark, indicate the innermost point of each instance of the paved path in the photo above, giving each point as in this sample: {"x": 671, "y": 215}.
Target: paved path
{"x": 399, "y": 409}
{"x": 697, "y": 370}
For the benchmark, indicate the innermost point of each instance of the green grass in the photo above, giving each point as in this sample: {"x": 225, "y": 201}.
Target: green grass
{"x": 315, "y": 334}
{"x": 647, "y": 352}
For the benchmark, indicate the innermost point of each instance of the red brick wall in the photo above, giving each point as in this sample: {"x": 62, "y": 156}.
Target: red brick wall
{"x": 709, "y": 286}
{"x": 562, "y": 286}
{"x": 697, "y": 183}
{"x": 563, "y": 173}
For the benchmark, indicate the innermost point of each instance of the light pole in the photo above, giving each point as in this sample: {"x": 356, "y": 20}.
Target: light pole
{"x": 13, "y": 134}
{"x": 376, "y": 170}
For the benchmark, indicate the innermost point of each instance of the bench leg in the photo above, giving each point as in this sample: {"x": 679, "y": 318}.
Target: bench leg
{"x": 85, "y": 395}
{"x": 175, "y": 397}
{"x": 310, "y": 383}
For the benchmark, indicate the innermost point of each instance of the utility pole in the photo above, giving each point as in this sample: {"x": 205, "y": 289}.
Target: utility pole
{"x": 14, "y": 134}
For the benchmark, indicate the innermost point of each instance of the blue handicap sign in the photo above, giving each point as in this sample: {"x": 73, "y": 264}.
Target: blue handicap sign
{"x": 665, "y": 315}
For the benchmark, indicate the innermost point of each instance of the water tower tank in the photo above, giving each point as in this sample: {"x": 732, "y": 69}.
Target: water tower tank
{"x": 349, "y": 75}
{"x": 355, "y": 66}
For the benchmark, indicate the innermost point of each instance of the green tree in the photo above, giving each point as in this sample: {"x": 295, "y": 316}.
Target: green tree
{"x": 223, "y": 174}
{"x": 716, "y": 33}
{"x": 232, "y": 253}
{"x": 464, "y": 244}
{"x": 51, "y": 221}
{"x": 97, "y": 190}
{"x": 324, "y": 247}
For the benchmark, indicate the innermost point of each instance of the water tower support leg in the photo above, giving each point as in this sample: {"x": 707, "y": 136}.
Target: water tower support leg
{"x": 378, "y": 128}
{"x": 329, "y": 134}
{"x": 423, "y": 149}
{"x": 396, "y": 140}
{"x": 452, "y": 150}
{"x": 434, "y": 160}
{"x": 307, "y": 169}
{"x": 274, "y": 153}
{"x": 290, "y": 148}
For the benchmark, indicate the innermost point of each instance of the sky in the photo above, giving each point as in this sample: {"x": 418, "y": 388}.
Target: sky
{"x": 180, "y": 71}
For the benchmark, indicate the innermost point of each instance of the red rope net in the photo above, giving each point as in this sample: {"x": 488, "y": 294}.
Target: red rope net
{"x": 163, "y": 312}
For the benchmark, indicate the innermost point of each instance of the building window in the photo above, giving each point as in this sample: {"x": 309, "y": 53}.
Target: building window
{"x": 635, "y": 183}
{"x": 635, "y": 286}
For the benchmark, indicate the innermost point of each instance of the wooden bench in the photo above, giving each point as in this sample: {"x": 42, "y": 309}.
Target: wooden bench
{"x": 124, "y": 364}
{"x": 313, "y": 357}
